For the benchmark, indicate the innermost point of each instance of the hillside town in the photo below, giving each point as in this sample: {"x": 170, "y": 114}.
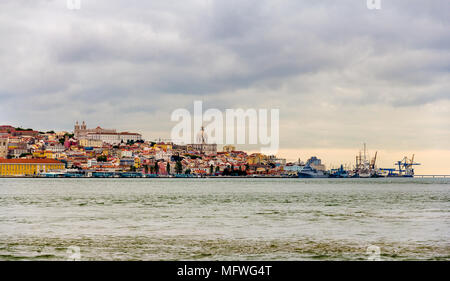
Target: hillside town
{"x": 100, "y": 152}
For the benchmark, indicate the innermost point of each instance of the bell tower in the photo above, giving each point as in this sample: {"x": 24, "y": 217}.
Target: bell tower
{"x": 76, "y": 129}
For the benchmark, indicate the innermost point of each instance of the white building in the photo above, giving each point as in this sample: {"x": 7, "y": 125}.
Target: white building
{"x": 163, "y": 155}
{"x": 110, "y": 136}
{"x": 57, "y": 148}
{"x": 125, "y": 136}
{"x": 91, "y": 162}
{"x": 126, "y": 153}
{"x": 114, "y": 138}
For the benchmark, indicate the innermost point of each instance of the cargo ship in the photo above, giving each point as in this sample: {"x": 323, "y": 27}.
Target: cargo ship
{"x": 365, "y": 168}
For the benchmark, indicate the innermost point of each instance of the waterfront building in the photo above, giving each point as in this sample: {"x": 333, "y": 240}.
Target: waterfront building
{"x": 24, "y": 167}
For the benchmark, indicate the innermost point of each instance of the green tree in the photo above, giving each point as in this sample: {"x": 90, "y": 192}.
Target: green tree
{"x": 156, "y": 167}
{"x": 168, "y": 168}
{"x": 187, "y": 172}
{"x": 178, "y": 167}
{"x": 217, "y": 169}
{"x": 102, "y": 158}
{"x": 211, "y": 169}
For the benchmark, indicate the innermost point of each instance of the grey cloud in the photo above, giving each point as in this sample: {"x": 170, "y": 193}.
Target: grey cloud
{"x": 119, "y": 60}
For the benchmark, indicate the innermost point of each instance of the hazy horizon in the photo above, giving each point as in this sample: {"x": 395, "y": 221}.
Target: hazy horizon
{"x": 340, "y": 74}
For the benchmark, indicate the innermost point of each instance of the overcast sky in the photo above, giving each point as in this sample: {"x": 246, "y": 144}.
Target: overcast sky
{"x": 340, "y": 74}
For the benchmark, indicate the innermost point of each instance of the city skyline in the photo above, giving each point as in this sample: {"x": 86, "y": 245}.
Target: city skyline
{"x": 340, "y": 73}
{"x": 220, "y": 138}
{"x": 332, "y": 158}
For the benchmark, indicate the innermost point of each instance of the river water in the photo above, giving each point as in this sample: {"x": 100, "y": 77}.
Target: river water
{"x": 224, "y": 219}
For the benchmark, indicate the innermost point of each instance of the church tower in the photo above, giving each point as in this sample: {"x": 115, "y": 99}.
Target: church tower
{"x": 76, "y": 129}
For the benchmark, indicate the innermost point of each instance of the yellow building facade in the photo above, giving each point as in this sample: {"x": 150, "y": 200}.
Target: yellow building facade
{"x": 163, "y": 146}
{"x": 44, "y": 154}
{"x": 257, "y": 158}
{"x": 229, "y": 148}
{"x": 27, "y": 167}
{"x": 91, "y": 143}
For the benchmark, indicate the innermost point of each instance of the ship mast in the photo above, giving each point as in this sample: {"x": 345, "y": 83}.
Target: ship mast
{"x": 365, "y": 152}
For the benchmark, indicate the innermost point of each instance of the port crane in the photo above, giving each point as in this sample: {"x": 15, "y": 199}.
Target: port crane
{"x": 373, "y": 162}
{"x": 406, "y": 166}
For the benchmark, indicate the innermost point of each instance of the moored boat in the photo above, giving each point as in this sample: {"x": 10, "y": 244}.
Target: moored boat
{"x": 310, "y": 172}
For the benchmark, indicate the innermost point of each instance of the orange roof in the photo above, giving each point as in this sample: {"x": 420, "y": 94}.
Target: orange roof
{"x": 127, "y": 133}
{"x": 29, "y": 161}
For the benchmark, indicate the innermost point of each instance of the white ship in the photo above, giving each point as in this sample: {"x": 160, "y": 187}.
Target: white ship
{"x": 310, "y": 172}
{"x": 364, "y": 167}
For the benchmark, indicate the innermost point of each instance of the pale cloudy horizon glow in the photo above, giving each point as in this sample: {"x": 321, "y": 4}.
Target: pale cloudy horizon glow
{"x": 340, "y": 74}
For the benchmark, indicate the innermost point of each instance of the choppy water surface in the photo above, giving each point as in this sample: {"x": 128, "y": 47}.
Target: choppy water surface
{"x": 224, "y": 219}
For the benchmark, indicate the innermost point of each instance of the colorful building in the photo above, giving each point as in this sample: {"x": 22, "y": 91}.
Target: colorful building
{"x": 91, "y": 143}
{"x": 21, "y": 167}
{"x": 256, "y": 159}
{"x": 3, "y": 147}
{"x": 229, "y": 148}
{"x": 44, "y": 154}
